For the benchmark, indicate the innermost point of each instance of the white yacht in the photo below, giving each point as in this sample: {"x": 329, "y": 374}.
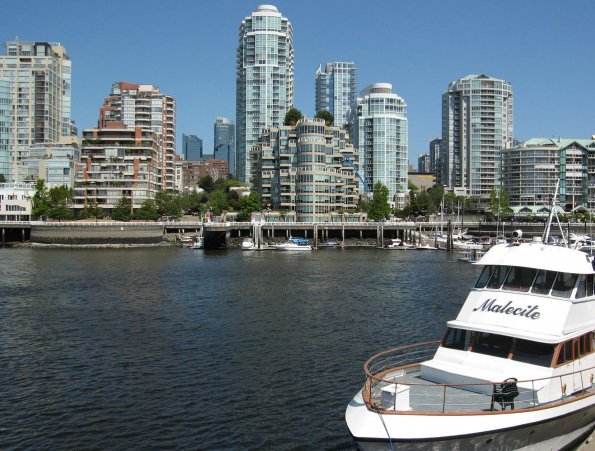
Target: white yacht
{"x": 248, "y": 244}
{"x": 398, "y": 244}
{"x": 514, "y": 370}
{"x": 295, "y": 244}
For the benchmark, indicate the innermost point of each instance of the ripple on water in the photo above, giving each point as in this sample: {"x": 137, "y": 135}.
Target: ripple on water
{"x": 166, "y": 348}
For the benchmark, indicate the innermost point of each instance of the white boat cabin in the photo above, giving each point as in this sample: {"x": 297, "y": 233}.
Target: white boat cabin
{"x": 524, "y": 322}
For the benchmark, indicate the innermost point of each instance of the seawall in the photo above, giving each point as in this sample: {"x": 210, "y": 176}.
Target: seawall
{"x": 100, "y": 233}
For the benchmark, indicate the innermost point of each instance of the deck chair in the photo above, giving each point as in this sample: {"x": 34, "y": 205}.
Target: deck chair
{"x": 505, "y": 393}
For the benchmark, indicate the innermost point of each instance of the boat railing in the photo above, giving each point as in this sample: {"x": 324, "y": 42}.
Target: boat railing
{"x": 393, "y": 385}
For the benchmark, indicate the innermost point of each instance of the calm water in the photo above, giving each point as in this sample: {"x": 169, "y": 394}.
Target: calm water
{"x": 166, "y": 348}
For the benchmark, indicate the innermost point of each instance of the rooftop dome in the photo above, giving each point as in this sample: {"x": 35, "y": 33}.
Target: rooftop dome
{"x": 267, "y": 8}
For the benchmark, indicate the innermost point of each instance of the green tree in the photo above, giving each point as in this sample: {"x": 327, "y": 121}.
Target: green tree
{"x": 292, "y": 117}
{"x": 92, "y": 210}
{"x": 499, "y": 203}
{"x": 424, "y": 204}
{"x": 379, "y": 207}
{"x": 217, "y": 202}
{"x": 2, "y": 178}
{"x": 40, "y": 200}
{"x": 247, "y": 205}
{"x": 436, "y": 194}
{"x": 206, "y": 182}
{"x": 169, "y": 204}
{"x": 327, "y": 116}
{"x": 192, "y": 202}
{"x": 59, "y": 202}
{"x": 122, "y": 210}
{"x": 147, "y": 211}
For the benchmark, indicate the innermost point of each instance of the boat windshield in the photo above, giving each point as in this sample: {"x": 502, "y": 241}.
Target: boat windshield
{"x": 496, "y": 345}
{"x": 457, "y": 339}
{"x": 533, "y": 352}
{"x": 492, "y": 344}
{"x": 517, "y": 278}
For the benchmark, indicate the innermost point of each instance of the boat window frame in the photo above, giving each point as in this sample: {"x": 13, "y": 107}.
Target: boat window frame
{"x": 570, "y": 351}
{"x": 507, "y": 285}
{"x": 505, "y": 269}
{"x": 490, "y": 346}
{"x": 467, "y": 338}
{"x": 551, "y": 284}
{"x": 487, "y": 270}
{"x": 585, "y": 282}
{"x": 552, "y": 354}
{"x": 560, "y": 293}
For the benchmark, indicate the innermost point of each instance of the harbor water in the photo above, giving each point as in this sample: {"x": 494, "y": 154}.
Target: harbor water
{"x": 163, "y": 348}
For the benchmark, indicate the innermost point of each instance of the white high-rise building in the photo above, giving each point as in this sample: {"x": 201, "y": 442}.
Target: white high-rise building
{"x": 35, "y": 100}
{"x": 379, "y": 127}
{"x": 477, "y": 124}
{"x": 336, "y": 90}
{"x": 264, "y": 83}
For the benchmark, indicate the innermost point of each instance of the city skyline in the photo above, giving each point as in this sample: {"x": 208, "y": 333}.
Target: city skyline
{"x": 418, "y": 48}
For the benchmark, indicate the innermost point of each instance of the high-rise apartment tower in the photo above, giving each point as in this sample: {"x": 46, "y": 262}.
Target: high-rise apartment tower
{"x": 336, "y": 90}
{"x": 380, "y": 133}
{"x": 264, "y": 83}
{"x": 477, "y": 124}
{"x": 35, "y": 93}
{"x": 142, "y": 105}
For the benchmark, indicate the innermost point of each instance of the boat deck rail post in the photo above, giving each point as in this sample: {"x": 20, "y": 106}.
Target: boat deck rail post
{"x": 444, "y": 399}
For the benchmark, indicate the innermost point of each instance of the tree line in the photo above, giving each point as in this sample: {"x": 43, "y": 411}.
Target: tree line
{"x": 217, "y": 197}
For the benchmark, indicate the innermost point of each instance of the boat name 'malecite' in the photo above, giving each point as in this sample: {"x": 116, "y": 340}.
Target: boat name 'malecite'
{"x": 508, "y": 309}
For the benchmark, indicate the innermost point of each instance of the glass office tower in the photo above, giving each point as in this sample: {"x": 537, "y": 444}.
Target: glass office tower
{"x": 192, "y": 147}
{"x": 225, "y": 141}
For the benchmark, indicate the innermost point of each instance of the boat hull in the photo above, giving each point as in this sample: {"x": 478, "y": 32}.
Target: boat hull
{"x": 293, "y": 249}
{"x": 551, "y": 429}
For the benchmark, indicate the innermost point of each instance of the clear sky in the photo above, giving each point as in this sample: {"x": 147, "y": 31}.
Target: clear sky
{"x": 545, "y": 49}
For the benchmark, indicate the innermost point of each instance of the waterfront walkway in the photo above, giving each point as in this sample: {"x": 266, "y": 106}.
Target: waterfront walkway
{"x": 219, "y": 233}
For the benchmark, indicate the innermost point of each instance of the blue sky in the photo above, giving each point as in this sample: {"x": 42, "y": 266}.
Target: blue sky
{"x": 188, "y": 48}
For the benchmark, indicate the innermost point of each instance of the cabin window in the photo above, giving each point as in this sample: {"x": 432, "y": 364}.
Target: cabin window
{"x": 585, "y": 286}
{"x": 485, "y": 276}
{"x": 543, "y": 282}
{"x": 498, "y": 277}
{"x": 492, "y": 344}
{"x": 534, "y": 353}
{"x": 564, "y": 284}
{"x": 456, "y": 339}
{"x": 519, "y": 279}
{"x": 575, "y": 348}
{"x": 565, "y": 354}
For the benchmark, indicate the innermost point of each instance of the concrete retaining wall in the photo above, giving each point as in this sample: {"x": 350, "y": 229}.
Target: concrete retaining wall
{"x": 97, "y": 234}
